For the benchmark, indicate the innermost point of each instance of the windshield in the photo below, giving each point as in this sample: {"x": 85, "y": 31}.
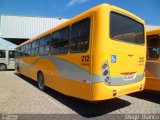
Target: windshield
{"x": 126, "y": 29}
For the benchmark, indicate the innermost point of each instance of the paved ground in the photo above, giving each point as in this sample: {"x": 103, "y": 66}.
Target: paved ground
{"x": 19, "y": 95}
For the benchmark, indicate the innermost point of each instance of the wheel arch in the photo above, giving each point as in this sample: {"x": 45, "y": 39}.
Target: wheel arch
{"x": 38, "y": 72}
{"x": 4, "y": 64}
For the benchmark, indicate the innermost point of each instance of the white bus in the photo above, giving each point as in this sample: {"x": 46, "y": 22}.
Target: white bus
{"x": 7, "y": 60}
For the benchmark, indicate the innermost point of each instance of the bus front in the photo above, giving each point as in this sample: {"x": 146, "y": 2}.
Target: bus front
{"x": 119, "y": 54}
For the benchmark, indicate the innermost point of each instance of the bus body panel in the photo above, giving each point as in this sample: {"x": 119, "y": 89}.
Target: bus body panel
{"x": 128, "y": 55}
{"x": 102, "y": 91}
{"x": 68, "y": 74}
{"x": 153, "y": 61}
{"x": 68, "y": 81}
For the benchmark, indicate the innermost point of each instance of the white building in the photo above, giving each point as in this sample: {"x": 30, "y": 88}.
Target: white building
{"x": 18, "y": 29}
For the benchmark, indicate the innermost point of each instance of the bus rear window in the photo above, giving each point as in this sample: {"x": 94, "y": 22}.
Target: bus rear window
{"x": 126, "y": 29}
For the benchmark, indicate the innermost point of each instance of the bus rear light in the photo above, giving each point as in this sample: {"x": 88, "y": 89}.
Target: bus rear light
{"x": 105, "y": 66}
{"x": 105, "y": 72}
{"x": 107, "y": 80}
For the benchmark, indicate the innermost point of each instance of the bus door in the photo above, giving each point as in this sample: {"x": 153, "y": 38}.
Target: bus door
{"x": 11, "y": 59}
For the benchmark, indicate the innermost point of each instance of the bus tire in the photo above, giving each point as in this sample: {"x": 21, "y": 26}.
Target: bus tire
{"x": 3, "y": 67}
{"x": 40, "y": 79}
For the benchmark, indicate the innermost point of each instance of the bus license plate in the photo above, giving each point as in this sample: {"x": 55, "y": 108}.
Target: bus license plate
{"x": 129, "y": 76}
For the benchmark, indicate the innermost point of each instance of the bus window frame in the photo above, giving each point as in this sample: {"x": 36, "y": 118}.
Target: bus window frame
{"x": 13, "y": 54}
{"x": 69, "y": 39}
{"x": 127, "y": 16}
{"x": 148, "y": 58}
{"x": 69, "y": 28}
{"x": 90, "y": 33}
{"x": 45, "y": 44}
{"x": 5, "y": 56}
{"x": 43, "y": 38}
{"x": 59, "y": 30}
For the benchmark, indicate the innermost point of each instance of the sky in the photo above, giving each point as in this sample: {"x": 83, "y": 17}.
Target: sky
{"x": 146, "y": 9}
{"x": 149, "y": 10}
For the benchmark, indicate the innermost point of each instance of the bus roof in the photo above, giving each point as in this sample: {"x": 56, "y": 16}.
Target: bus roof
{"x": 153, "y": 31}
{"x": 70, "y": 21}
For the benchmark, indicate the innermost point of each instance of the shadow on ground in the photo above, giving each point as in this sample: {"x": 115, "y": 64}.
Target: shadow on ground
{"x": 83, "y": 108}
{"x": 8, "y": 70}
{"x": 152, "y": 96}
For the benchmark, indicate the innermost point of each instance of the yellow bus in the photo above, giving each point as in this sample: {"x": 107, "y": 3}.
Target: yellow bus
{"x": 97, "y": 55}
{"x": 153, "y": 60}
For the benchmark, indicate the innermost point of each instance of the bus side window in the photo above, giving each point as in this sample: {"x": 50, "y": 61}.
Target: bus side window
{"x": 85, "y": 33}
{"x": 41, "y": 46}
{"x": 17, "y": 53}
{"x": 153, "y": 47}
{"x": 80, "y": 32}
{"x": 55, "y": 42}
{"x": 33, "y": 48}
{"x": 23, "y": 50}
{"x": 47, "y": 43}
{"x": 2, "y": 54}
{"x": 26, "y": 51}
{"x": 29, "y": 49}
{"x": 11, "y": 54}
{"x": 36, "y": 48}
{"x": 20, "y": 52}
{"x": 64, "y": 38}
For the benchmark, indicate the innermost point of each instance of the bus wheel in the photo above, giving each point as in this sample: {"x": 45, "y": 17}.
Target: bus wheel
{"x": 41, "y": 81}
{"x": 3, "y": 67}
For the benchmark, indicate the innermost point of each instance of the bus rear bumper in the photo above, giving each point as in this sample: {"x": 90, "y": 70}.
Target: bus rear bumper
{"x": 101, "y": 91}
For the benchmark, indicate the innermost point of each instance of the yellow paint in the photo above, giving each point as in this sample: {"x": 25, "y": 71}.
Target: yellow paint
{"x": 152, "y": 83}
{"x": 101, "y": 91}
{"x": 99, "y": 53}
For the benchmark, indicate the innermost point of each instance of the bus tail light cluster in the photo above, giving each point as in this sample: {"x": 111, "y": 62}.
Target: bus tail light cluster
{"x": 105, "y": 73}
